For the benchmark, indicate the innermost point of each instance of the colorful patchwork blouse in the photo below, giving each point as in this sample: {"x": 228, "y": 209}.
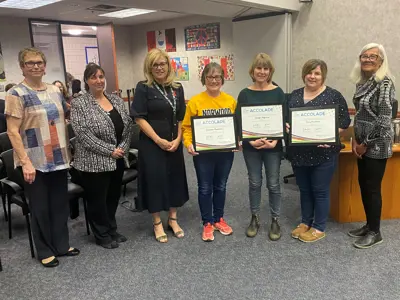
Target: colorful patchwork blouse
{"x": 43, "y": 130}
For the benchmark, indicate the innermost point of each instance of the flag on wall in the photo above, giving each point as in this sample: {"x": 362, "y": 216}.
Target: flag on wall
{"x": 162, "y": 39}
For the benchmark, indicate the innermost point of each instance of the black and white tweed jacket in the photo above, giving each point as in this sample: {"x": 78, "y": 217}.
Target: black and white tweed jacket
{"x": 372, "y": 123}
{"x": 95, "y": 133}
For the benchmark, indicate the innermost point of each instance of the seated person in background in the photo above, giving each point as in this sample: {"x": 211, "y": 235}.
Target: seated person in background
{"x": 76, "y": 88}
{"x": 66, "y": 97}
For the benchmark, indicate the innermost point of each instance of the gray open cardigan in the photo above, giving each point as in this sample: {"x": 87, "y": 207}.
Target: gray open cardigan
{"x": 95, "y": 133}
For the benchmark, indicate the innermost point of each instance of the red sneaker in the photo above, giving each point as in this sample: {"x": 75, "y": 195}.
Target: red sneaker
{"x": 222, "y": 227}
{"x": 208, "y": 233}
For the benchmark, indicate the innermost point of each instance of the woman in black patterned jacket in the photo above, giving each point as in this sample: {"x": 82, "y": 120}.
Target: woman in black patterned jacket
{"x": 373, "y": 132}
{"x": 102, "y": 126}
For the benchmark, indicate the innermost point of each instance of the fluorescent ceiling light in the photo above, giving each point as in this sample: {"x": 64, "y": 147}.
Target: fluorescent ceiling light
{"x": 26, "y": 4}
{"x": 75, "y": 32}
{"x": 125, "y": 13}
{"x": 40, "y": 24}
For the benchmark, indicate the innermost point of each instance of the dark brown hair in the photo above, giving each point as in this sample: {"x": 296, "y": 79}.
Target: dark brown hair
{"x": 91, "y": 69}
{"x": 311, "y": 65}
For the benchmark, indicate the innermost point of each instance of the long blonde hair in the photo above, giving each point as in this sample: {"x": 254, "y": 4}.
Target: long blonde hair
{"x": 154, "y": 55}
{"x": 357, "y": 75}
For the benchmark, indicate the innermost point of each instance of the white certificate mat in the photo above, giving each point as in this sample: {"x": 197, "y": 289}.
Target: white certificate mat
{"x": 214, "y": 133}
{"x": 314, "y": 126}
{"x": 262, "y": 121}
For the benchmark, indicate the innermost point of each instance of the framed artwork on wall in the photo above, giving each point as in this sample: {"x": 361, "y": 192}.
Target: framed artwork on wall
{"x": 181, "y": 68}
{"x": 202, "y": 37}
{"x": 92, "y": 55}
{"x": 226, "y": 62}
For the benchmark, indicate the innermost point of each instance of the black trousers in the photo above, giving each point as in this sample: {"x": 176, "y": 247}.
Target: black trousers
{"x": 48, "y": 202}
{"x": 102, "y": 193}
{"x": 370, "y": 175}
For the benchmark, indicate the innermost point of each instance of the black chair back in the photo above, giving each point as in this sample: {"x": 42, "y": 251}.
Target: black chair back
{"x": 395, "y": 107}
{"x": 13, "y": 174}
{"x": 135, "y": 137}
{"x": 70, "y": 130}
{"x": 5, "y": 143}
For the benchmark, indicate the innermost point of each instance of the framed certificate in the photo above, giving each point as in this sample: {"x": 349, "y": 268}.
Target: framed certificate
{"x": 314, "y": 125}
{"x": 214, "y": 133}
{"x": 262, "y": 121}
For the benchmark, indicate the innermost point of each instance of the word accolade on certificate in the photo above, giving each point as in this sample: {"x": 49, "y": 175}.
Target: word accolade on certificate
{"x": 314, "y": 125}
{"x": 214, "y": 133}
{"x": 262, "y": 121}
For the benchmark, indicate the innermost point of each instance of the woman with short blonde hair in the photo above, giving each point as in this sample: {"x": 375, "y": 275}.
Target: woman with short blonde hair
{"x": 158, "y": 108}
{"x": 373, "y": 135}
{"x": 261, "y": 151}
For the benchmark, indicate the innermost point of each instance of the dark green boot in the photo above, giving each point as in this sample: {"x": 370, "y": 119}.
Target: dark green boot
{"x": 275, "y": 230}
{"x": 253, "y": 227}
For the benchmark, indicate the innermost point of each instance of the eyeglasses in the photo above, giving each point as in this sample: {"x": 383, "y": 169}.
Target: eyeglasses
{"x": 372, "y": 57}
{"x": 160, "y": 65}
{"x": 31, "y": 64}
{"x": 216, "y": 78}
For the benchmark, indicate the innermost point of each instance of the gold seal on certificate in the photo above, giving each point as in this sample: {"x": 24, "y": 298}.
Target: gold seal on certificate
{"x": 262, "y": 121}
{"x": 214, "y": 133}
{"x": 314, "y": 125}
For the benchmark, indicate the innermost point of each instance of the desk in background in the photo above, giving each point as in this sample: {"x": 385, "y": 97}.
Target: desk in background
{"x": 346, "y": 203}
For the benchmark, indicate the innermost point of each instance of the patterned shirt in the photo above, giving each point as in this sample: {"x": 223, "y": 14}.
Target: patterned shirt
{"x": 43, "y": 130}
{"x": 372, "y": 122}
{"x": 305, "y": 156}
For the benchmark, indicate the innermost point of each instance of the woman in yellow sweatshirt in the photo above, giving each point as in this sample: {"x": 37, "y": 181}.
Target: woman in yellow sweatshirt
{"x": 212, "y": 168}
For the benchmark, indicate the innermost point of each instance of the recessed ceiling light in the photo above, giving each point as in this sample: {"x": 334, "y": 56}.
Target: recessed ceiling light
{"x": 26, "y": 4}
{"x": 125, "y": 13}
{"x": 75, "y": 32}
{"x": 94, "y": 28}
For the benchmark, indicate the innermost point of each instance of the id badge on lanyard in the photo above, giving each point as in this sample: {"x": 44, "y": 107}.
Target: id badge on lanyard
{"x": 171, "y": 103}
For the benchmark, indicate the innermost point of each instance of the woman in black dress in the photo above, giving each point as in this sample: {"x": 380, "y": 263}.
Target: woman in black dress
{"x": 159, "y": 108}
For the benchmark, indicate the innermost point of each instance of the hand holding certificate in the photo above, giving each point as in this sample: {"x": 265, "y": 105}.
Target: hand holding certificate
{"x": 314, "y": 125}
{"x": 262, "y": 121}
{"x": 216, "y": 133}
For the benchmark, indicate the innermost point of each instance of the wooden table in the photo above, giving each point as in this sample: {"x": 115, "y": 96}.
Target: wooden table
{"x": 346, "y": 204}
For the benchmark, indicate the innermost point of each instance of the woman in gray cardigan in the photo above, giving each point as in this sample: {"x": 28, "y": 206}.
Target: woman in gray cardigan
{"x": 373, "y": 132}
{"x": 102, "y": 127}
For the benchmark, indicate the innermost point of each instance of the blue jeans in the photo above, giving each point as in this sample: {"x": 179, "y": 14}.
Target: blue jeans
{"x": 212, "y": 170}
{"x": 272, "y": 164}
{"x": 314, "y": 183}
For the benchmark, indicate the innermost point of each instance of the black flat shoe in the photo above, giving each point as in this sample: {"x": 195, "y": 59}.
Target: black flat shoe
{"x": 359, "y": 232}
{"x": 51, "y": 264}
{"x": 369, "y": 240}
{"x": 119, "y": 238}
{"x": 73, "y": 252}
{"x": 109, "y": 245}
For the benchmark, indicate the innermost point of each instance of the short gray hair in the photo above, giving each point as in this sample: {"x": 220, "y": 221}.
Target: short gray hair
{"x": 357, "y": 76}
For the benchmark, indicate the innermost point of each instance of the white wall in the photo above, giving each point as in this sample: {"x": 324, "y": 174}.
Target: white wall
{"x": 125, "y": 66}
{"x": 75, "y": 55}
{"x": 268, "y": 35}
{"x": 193, "y": 86}
{"x": 14, "y": 36}
{"x": 336, "y": 30}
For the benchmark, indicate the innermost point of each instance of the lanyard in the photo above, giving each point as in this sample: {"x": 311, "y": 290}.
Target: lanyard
{"x": 171, "y": 103}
